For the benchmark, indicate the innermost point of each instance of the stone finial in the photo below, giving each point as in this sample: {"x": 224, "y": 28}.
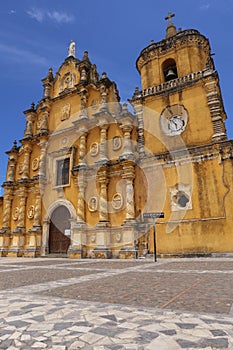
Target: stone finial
{"x": 14, "y": 148}
{"x": 104, "y": 75}
{"x": 32, "y": 106}
{"x": 50, "y": 73}
{"x": 137, "y": 93}
{"x": 85, "y": 56}
{"x": 71, "y": 49}
{"x": 171, "y": 29}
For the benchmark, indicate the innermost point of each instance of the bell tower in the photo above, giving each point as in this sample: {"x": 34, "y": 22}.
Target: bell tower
{"x": 180, "y": 84}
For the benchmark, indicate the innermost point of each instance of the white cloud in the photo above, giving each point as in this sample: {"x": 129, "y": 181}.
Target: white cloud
{"x": 36, "y": 14}
{"x": 22, "y": 56}
{"x": 58, "y": 17}
{"x": 204, "y": 6}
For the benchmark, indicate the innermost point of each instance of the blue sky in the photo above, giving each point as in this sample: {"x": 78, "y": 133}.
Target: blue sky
{"x": 34, "y": 36}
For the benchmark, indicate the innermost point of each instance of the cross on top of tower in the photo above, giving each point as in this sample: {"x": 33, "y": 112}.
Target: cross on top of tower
{"x": 169, "y": 17}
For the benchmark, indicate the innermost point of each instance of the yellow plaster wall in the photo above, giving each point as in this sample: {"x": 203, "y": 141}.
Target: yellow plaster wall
{"x": 189, "y": 58}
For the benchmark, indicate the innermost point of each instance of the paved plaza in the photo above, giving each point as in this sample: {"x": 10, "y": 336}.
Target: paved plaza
{"x": 64, "y": 304}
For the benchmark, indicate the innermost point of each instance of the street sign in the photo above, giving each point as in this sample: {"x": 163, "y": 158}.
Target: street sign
{"x": 153, "y": 215}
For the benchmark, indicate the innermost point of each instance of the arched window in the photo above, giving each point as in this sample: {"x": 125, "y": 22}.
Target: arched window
{"x": 169, "y": 70}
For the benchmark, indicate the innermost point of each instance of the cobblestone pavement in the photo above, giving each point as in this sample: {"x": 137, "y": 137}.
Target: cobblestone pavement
{"x": 65, "y": 304}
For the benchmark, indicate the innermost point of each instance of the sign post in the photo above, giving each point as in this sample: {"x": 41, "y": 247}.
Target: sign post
{"x": 154, "y": 216}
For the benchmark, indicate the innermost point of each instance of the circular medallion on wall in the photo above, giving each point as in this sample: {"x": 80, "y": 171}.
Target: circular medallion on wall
{"x": 35, "y": 164}
{"x": 117, "y": 201}
{"x": 116, "y": 143}
{"x": 94, "y": 149}
{"x": 173, "y": 120}
{"x": 93, "y": 204}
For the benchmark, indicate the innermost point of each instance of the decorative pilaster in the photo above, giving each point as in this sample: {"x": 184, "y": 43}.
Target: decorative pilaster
{"x": 83, "y": 147}
{"x": 81, "y": 182}
{"x": 126, "y": 120}
{"x": 129, "y": 175}
{"x": 47, "y": 83}
{"x": 26, "y": 163}
{"x": 42, "y": 170}
{"x": 103, "y": 142}
{"x": 12, "y": 161}
{"x": 102, "y": 179}
{"x": 7, "y": 204}
{"x": 11, "y": 170}
{"x": 37, "y": 216}
{"x": 22, "y": 208}
{"x": 138, "y": 109}
{"x": 104, "y": 92}
{"x": 216, "y": 110}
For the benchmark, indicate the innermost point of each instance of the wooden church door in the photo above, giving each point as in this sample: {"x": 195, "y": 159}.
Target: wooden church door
{"x": 60, "y": 221}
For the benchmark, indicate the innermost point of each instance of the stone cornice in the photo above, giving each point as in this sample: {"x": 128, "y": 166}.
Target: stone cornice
{"x": 181, "y": 38}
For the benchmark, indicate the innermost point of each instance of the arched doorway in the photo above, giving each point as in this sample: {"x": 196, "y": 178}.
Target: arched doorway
{"x": 59, "y": 242}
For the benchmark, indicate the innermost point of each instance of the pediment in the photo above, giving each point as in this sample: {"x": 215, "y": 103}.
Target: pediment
{"x": 67, "y": 76}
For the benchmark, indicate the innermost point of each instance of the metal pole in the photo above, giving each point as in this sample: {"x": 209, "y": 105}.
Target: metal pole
{"x": 155, "y": 253}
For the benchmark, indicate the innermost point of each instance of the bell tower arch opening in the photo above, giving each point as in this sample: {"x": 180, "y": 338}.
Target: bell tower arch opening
{"x": 169, "y": 69}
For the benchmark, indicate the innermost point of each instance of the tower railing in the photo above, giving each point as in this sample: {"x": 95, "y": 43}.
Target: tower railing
{"x": 176, "y": 83}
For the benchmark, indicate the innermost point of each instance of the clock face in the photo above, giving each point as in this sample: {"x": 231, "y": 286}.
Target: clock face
{"x": 173, "y": 120}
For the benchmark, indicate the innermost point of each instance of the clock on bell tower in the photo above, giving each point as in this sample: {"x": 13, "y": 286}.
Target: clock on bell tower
{"x": 180, "y": 84}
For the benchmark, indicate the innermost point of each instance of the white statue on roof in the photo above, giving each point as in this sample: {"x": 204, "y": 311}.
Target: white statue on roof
{"x": 71, "y": 49}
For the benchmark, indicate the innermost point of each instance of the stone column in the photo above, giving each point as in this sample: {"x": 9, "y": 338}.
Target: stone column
{"x": 128, "y": 151}
{"x": 7, "y": 209}
{"x": 37, "y": 216}
{"x": 22, "y": 207}
{"x": 82, "y": 147}
{"x": 43, "y": 145}
{"x": 216, "y": 110}
{"x": 81, "y": 182}
{"x": 26, "y": 163}
{"x": 103, "y": 198}
{"x": 11, "y": 170}
{"x": 129, "y": 175}
{"x": 138, "y": 108}
{"x": 103, "y": 143}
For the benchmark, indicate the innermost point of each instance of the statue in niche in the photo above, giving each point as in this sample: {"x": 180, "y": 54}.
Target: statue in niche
{"x": 65, "y": 112}
{"x": 71, "y": 49}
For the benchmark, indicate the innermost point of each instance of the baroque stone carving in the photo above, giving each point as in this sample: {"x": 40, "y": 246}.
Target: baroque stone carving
{"x": 65, "y": 112}
{"x": 31, "y": 212}
{"x": 15, "y": 214}
{"x": 93, "y": 204}
{"x": 20, "y": 168}
{"x": 116, "y": 143}
{"x": 94, "y": 104}
{"x": 117, "y": 201}
{"x": 94, "y": 149}
{"x": 35, "y": 164}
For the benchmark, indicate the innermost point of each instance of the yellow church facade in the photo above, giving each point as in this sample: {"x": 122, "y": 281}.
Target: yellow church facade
{"x": 88, "y": 168}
